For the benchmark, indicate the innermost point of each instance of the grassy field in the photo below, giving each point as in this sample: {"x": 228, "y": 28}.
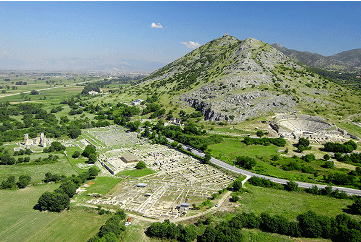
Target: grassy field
{"x": 136, "y": 173}
{"x": 260, "y": 236}
{"x": 290, "y": 204}
{"x": 37, "y": 172}
{"x": 233, "y": 147}
{"x": 20, "y": 222}
{"x": 230, "y": 148}
{"x": 74, "y": 161}
{"x": 73, "y": 225}
{"x": 101, "y": 185}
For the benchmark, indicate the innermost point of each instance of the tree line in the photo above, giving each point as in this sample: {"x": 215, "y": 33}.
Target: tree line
{"x": 346, "y": 147}
{"x": 10, "y": 182}
{"x": 264, "y": 141}
{"x": 308, "y": 224}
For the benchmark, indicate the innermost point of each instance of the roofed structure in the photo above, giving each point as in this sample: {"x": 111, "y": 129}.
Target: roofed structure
{"x": 128, "y": 158}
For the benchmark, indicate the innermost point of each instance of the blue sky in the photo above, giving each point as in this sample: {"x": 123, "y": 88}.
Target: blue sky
{"x": 43, "y": 30}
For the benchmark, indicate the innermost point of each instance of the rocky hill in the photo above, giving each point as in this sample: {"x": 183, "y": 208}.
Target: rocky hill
{"x": 345, "y": 61}
{"x": 233, "y": 80}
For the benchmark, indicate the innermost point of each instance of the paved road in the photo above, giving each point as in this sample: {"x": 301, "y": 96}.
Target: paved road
{"x": 229, "y": 167}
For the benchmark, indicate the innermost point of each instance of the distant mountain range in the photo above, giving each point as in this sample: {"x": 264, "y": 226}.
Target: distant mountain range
{"x": 104, "y": 63}
{"x": 349, "y": 61}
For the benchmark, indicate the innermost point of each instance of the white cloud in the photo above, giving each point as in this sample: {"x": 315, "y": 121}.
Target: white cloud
{"x": 191, "y": 44}
{"x": 158, "y": 26}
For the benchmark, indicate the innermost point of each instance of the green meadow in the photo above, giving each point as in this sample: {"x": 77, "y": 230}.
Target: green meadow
{"x": 20, "y": 222}
{"x": 37, "y": 172}
{"x": 136, "y": 173}
{"x": 290, "y": 204}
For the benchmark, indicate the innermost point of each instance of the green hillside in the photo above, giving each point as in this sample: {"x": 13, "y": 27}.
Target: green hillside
{"x": 232, "y": 80}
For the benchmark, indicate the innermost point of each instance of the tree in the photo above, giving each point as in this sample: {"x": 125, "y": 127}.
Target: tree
{"x": 326, "y": 157}
{"x": 356, "y": 206}
{"x": 56, "y": 146}
{"x": 93, "y": 172}
{"x": 328, "y": 164}
{"x": 291, "y": 186}
{"x": 173, "y": 231}
{"x": 44, "y": 200}
{"x": 110, "y": 227}
{"x": 109, "y": 237}
{"x": 59, "y": 202}
{"x": 74, "y": 133}
{"x": 260, "y": 133}
{"x": 156, "y": 230}
{"x": 34, "y": 92}
{"x": 237, "y": 185}
{"x": 6, "y": 159}
{"x": 68, "y": 188}
{"x": 92, "y": 158}
{"x": 146, "y": 132}
{"x": 309, "y": 157}
{"x": 246, "y": 162}
{"x": 235, "y": 198}
{"x": 23, "y": 181}
{"x": 304, "y": 142}
{"x": 209, "y": 235}
{"x": 207, "y": 157}
{"x": 189, "y": 234}
{"x": 141, "y": 165}
{"x": 327, "y": 190}
{"x": 313, "y": 190}
{"x": 54, "y": 202}
{"x": 8, "y": 183}
{"x": 121, "y": 214}
{"x": 89, "y": 149}
{"x": 309, "y": 225}
{"x": 301, "y": 148}
{"x": 76, "y": 154}
{"x": 174, "y": 144}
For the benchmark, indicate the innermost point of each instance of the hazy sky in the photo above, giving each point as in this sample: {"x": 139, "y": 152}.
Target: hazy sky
{"x": 165, "y": 31}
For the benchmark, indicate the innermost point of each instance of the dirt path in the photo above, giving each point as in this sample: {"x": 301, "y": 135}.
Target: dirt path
{"x": 220, "y": 203}
{"x": 246, "y": 179}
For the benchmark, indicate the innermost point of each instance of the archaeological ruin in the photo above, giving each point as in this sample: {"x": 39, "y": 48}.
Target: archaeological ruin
{"x": 38, "y": 141}
{"x": 313, "y": 128}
